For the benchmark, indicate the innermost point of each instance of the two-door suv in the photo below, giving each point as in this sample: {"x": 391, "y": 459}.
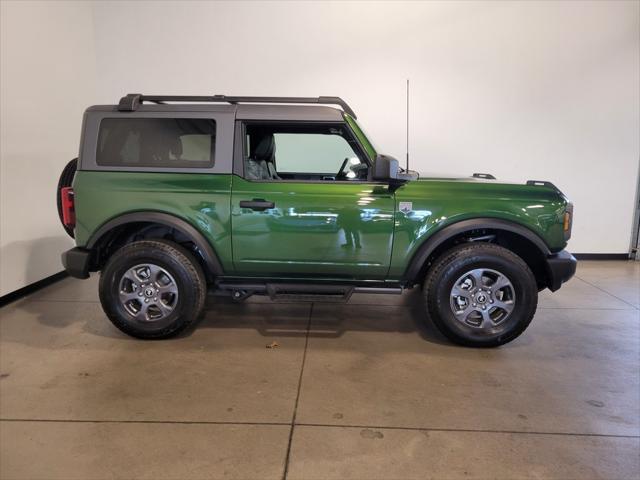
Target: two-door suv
{"x": 173, "y": 197}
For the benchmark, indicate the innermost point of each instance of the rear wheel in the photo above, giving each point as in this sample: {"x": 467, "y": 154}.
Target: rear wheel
{"x": 481, "y": 295}
{"x": 152, "y": 289}
{"x": 65, "y": 180}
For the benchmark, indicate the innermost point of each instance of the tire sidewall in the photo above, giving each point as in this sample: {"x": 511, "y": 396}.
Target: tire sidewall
{"x": 514, "y": 269}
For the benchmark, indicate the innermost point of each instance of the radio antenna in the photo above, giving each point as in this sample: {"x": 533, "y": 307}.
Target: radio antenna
{"x": 407, "y": 167}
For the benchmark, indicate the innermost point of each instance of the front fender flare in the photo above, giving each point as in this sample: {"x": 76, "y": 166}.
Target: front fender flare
{"x": 427, "y": 248}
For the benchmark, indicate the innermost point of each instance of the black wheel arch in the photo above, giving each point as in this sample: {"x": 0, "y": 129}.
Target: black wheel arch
{"x": 103, "y": 237}
{"x": 520, "y": 239}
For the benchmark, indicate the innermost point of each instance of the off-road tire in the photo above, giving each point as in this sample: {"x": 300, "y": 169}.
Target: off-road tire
{"x": 65, "y": 180}
{"x": 174, "y": 259}
{"x": 453, "y": 264}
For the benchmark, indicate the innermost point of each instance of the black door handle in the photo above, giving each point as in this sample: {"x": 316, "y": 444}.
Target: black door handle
{"x": 257, "y": 204}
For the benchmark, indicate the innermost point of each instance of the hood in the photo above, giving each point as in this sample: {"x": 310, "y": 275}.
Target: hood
{"x": 484, "y": 178}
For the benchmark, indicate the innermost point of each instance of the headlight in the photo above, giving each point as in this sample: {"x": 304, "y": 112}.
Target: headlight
{"x": 567, "y": 222}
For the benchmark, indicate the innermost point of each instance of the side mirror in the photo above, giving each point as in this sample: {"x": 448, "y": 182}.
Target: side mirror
{"x": 385, "y": 168}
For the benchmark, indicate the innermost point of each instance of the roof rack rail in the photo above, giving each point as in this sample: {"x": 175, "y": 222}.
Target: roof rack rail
{"x": 132, "y": 101}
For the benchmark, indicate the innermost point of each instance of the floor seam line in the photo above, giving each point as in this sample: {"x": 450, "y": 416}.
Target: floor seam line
{"x": 323, "y": 425}
{"x": 295, "y": 407}
{"x": 608, "y": 293}
{"x": 159, "y": 422}
{"x": 467, "y": 430}
{"x": 48, "y": 300}
{"x": 589, "y": 308}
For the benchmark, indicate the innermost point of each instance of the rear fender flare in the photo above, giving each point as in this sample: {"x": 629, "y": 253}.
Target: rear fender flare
{"x": 204, "y": 247}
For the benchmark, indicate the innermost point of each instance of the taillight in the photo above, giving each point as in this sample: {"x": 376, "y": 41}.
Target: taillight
{"x": 68, "y": 207}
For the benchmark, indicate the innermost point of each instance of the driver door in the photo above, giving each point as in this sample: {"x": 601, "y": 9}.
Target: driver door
{"x": 303, "y": 205}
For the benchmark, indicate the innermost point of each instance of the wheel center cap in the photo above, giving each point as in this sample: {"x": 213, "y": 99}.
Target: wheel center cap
{"x": 481, "y": 298}
{"x": 149, "y": 292}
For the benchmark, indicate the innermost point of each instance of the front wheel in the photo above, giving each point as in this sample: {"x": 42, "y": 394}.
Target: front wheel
{"x": 480, "y": 295}
{"x": 152, "y": 289}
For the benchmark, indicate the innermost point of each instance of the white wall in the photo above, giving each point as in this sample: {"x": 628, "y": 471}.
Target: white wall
{"x": 543, "y": 90}
{"x": 47, "y": 79}
{"x": 523, "y": 90}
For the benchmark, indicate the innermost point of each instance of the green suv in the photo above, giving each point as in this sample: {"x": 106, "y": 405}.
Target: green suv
{"x": 175, "y": 197}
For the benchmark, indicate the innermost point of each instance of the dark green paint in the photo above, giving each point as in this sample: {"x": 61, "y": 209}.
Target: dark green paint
{"x": 439, "y": 203}
{"x": 201, "y": 199}
{"x": 341, "y": 229}
{"x": 303, "y": 235}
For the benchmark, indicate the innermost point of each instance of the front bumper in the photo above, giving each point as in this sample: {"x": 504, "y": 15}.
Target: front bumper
{"x": 561, "y": 267}
{"x": 76, "y": 262}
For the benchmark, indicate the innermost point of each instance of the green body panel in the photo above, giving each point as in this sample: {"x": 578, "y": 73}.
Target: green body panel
{"x": 438, "y": 203}
{"x": 200, "y": 199}
{"x": 306, "y": 233}
{"x": 336, "y": 229}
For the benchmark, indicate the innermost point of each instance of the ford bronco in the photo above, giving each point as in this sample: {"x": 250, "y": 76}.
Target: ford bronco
{"x": 174, "y": 197}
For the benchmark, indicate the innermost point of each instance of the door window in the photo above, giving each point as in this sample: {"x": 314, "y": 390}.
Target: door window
{"x": 303, "y": 152}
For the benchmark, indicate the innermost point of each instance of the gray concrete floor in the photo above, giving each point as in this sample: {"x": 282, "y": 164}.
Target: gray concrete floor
{"x": 361, "y": 390}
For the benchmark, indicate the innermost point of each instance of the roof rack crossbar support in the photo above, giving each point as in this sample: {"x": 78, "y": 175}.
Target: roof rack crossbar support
{"x": 543, "y": 183}
{"x": 487, "y": 176}
{"x": 132, "y": 101}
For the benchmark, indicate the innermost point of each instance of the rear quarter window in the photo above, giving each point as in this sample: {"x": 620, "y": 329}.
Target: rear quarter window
{"x": 156, "y": 142}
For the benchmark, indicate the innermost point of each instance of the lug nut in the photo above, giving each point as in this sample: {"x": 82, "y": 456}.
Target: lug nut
{"x": 140, "y": 294}
{"x": 146, "y": 300}
{"x": 483, "y": 307}
{"x": 475, "y": 305}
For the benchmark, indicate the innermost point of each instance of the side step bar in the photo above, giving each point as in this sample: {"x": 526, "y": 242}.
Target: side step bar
{"x": 300, "y": 291}
{"x": 309, "y": 293}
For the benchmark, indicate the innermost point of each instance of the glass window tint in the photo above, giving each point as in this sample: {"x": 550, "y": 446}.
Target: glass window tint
{"x": 311, "y": 152}
{"x": 156, "y": 142}
{"x": 303, "y": 152}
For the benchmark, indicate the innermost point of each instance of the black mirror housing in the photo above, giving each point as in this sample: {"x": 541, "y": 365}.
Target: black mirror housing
{"x": 385, "y": 168}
